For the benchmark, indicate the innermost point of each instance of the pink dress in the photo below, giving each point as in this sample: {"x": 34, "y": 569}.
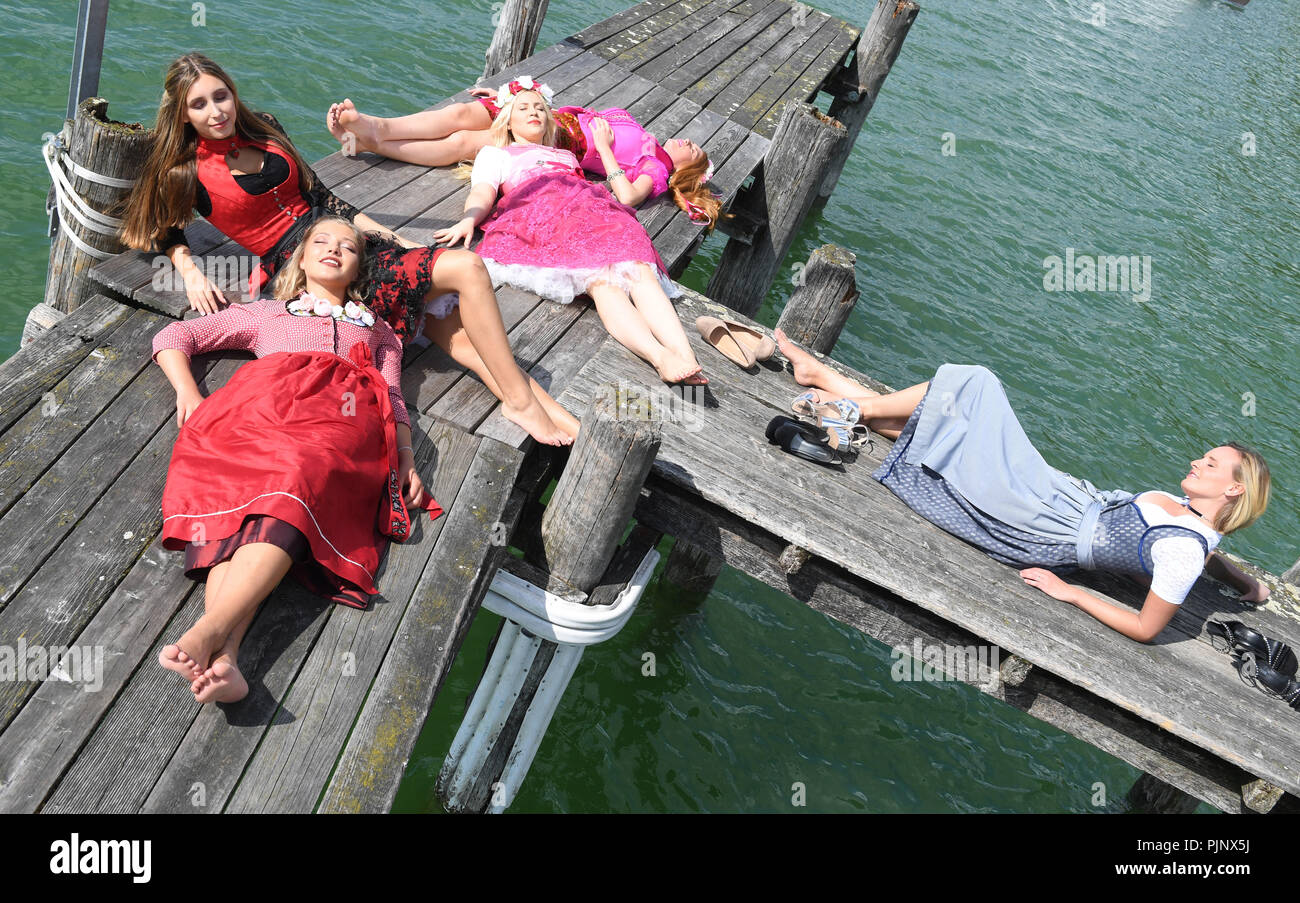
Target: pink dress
{"x": 553, "y": 232}
{"x": 635, "y": 149}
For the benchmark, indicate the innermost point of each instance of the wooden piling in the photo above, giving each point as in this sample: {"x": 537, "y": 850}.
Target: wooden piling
{"x": 878, "y": 47}
{"x": 581, "y": 531}
{"x": 40, "y": 319}
{"x": 1153, "y": 796}
{"x": 107, "y": 149}
{"x": 1292, "y": 574}
{"x": 805, "y": 142}
{"x": 515, "y": 35}
{"x": 819, "y": 308}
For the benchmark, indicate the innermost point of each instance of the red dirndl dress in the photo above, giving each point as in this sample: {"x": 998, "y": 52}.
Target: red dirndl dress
{"x": 308, "y": 438}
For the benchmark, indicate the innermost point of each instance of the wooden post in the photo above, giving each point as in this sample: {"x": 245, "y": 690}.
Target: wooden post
{"x": 593, "y": 501}
{"x": 581, "y": 529}
{"x": 805, "y": 142}
{"x": 878, "y": 47}
{"x": 109, "y": 150}
{"x": 40, "y": 319}
{"x": 1292, "y": 575}
{"x": 820, "y": 307}
{"x": 515, "y": 35}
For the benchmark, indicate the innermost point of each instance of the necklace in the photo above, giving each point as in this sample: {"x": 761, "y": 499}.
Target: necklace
{"x": 308, "y": 305}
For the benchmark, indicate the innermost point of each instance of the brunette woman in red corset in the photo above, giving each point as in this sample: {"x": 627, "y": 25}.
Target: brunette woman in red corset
{"x": 302, "y": 461}
{"x": 240, "y": 171}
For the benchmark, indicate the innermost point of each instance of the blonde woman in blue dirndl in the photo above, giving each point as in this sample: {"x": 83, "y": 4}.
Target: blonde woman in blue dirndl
{"x": 962, "y": 461}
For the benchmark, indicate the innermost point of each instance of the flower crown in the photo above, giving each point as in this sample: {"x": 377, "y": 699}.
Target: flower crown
{"x": 506, "y": 93}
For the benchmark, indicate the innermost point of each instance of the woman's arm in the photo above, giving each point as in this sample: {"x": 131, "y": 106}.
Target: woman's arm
{"x": 176, "y": 343}
{"x": 1143, "y": 626}
{"x": 204, "y": 297}
{"x": 366, "y": 224}
{"x": 1225, "y": 571}
{"x": 478, "y": 205}
{"x": 176, "y": 365}
{"x": 628, "y": 192}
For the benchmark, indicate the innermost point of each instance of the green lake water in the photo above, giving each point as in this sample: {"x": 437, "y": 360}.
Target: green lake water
{"x": 1006, "y": 134}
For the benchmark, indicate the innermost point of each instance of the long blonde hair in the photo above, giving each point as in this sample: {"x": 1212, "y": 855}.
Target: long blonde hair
{"x": 164, "y": 195}
{"x": 1243, "y": 510}
{"x": 291, "y": 280}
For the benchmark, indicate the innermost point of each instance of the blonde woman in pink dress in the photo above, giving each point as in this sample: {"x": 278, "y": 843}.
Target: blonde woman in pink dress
{"x": 548, "y": 230}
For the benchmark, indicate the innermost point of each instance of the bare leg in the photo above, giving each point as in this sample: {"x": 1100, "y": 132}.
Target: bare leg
{"x": 629, "y": 328}
{"x": 458, "y": 146}
{"x": 254, "y": 570}
{"x": 370, "y": 131}
{"x": 464, "y": 272}
{"x": 449, "y": 335}
{"x": 665, "y": 325}
{"x": 808, "y": 371}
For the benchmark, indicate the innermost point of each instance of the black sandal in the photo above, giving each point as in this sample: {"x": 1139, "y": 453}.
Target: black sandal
{"x": 1275, "y": 682}
{"x": 802, "y": 440}
{"x": 1243, "y": 640}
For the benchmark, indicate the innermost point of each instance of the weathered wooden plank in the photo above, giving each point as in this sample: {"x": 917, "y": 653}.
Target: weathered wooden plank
{"x": 585, "y": 91}
{"x": 428, "y": 638}
{"x": 899, "y": 624}
{"x": 33, "y": 443}
{"x": 718, "y": 29}
{"x": 918, "y": 561}
{"x": 76, "y": 576}
{"x": 808, "y": 83}
{"x": 294, "y": 759}
{"x": 646, "y": 28}
{"x": 37, "y": 367}
{"x": 764, "y": 96}
{"x": 42, "y": 741}
{"x": 676, "y": 34}
{"x": 34, "y": 526}
{"x": 594, "y": 34}
{"x": 714, "y": 71}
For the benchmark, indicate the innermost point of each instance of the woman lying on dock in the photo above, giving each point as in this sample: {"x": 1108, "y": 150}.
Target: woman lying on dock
{"x": 963, "y": 462}
{"x": 554, "y": 233}
{"x": 608, "y": 143}
{"x": 288, "y": 464}
{"x": 240, "y": 171}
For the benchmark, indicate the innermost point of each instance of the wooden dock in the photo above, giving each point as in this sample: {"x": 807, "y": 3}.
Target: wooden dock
{"x": 87, "y": 423}
{"x": 338, "y": 695}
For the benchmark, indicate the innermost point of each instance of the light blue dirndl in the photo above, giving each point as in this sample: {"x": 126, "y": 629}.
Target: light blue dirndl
{"x": 964, "y": 463}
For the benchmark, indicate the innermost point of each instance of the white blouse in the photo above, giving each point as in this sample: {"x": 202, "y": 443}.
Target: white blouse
{"x": 1176, "y": 561}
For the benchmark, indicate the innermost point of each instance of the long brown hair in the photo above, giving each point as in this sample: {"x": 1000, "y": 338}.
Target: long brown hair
{"x": 291, "y": 280}
{"x": 687, "y": 189}
{"x": 163, "y": 197}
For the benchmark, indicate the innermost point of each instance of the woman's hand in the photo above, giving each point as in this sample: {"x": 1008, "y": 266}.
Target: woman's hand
{"x": 411, "y": 481}
{"x": 186, "y": 402}
{"x": 1045, "y": 580}
{"x": 482, "y": 92}
{"x": 204, "y": 297}
{"x": 461, "y": 231}
{"x": 602, "y": 134}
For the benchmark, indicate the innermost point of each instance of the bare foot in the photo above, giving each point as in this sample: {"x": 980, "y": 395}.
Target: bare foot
{"x": 222, "y": 682}
{"x": 808, "y": 371}
{"x": 344, "y": 119}
{"x": 201, "y": 641}
{"x": 677, "y": 368}
{"x": 559, "y": 416}
{"x": 537, "y": 423}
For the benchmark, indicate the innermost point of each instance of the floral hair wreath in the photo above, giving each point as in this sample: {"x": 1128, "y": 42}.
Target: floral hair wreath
{"x": 506, "y": 93}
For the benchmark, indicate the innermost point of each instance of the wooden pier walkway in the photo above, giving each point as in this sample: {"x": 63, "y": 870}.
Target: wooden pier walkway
{"x": 339, "y": 695}
{"x": 87, "y": 424}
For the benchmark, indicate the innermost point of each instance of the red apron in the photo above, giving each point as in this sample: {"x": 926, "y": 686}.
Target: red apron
{"x": 306, "y": 437}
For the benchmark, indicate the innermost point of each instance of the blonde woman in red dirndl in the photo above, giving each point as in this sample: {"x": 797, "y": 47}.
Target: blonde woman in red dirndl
{"x": 302, "y": 462}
